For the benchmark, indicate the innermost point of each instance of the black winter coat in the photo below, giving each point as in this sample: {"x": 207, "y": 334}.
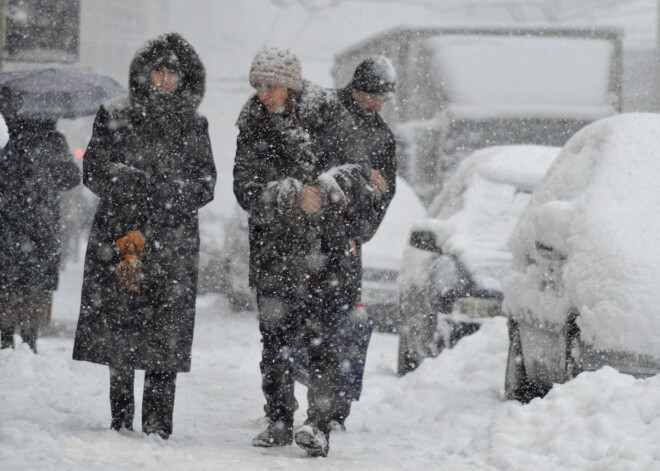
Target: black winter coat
{"x": 35, "y": 167}
{"x": 380, "y": 147}
{"x": 150, "y": 163}
{"x": 313, "y": 143}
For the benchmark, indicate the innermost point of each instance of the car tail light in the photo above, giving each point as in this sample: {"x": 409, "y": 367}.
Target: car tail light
{"x": 478, "y": 307}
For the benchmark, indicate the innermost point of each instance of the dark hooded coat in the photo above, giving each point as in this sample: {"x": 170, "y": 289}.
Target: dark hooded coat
{"x": 150, "y": 163}
{"x": 312, "y": 143}
{"x": 35, "y": 167}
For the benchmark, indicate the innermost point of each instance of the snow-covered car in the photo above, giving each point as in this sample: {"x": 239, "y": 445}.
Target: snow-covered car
{"x": 381, "y": 259}
{"x": 452, "y": 268}
{"x": 583, "y": 288}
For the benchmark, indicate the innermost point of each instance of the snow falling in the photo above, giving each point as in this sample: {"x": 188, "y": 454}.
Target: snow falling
{"x": 486, "y": 77}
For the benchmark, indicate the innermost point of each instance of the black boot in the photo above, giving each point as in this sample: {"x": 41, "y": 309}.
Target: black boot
{"x": 312, "y": 439}
{"x": 343, "y": 408}
{"x": 278, "y": 433}
{"x": 7, "y": 337}
{"x": 122, "y": 401}
{"x": 158, "y": 403}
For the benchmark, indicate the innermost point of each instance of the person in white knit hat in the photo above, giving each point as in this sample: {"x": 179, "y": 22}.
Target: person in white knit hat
{"x": 298, "y": 173}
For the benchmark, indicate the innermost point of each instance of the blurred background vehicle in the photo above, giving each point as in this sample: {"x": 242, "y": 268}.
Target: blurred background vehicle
{"x": 462, "y": 89}
{"x": 582, "y": 291}
{"x": 381, "y": 258}
{"x": 450, "y": 276}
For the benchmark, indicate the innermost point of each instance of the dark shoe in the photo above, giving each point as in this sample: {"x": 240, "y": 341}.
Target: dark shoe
{"x": 314, "y": 441}
{"x": 150, "y": 430}
{"x": 277, "y": 434}
{"x": 118, "y": 424}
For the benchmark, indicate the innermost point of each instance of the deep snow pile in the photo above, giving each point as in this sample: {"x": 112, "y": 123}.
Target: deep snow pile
{"x": 449, "y": 414}
{"x": 598, "y": 206}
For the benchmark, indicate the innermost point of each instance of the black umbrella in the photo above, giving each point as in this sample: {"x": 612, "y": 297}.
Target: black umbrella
{"x": 53, "y": 93}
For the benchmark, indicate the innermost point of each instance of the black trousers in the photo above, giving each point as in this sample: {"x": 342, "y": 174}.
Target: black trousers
{"x": 314, "y": 321}
{"x": 157, "y": 400}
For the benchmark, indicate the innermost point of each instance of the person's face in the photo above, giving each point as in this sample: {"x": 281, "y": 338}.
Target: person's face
{"x": 370, "y": 103}
{"x": 164, "y": 79}
{"x": 273, "y": 98}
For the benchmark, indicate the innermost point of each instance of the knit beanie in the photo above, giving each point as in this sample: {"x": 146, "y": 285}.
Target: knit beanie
{"x": 273, "y": 67}
{"x": 375, "y": 75}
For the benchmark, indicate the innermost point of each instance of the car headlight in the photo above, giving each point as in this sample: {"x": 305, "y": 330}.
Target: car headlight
{"x": 478, "y": 307}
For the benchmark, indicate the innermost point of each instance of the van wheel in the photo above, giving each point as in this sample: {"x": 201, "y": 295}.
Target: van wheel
{"x": 517, "y": 386}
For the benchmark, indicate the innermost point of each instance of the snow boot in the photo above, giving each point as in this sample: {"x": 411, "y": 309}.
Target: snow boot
{"x": 313, "y": 440}
{"x": 277, "y": 434}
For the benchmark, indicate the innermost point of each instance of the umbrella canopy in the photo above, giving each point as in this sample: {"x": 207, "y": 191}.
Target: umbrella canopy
{"x": 53, "y": 93}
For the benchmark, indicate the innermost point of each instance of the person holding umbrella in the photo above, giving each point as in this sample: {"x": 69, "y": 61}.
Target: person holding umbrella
{"x": 150, "y": 163}
{"x": 35, "y": 167}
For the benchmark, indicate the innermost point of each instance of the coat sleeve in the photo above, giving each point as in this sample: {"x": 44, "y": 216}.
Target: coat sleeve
{"x": 374, "y": 213}
{"x": 353, "y": 172}
{"x": 103, "y": 174}
{"x": 186, "y": 194}
{"x": 259, "y": 191}
{"x": 62, "y": 171}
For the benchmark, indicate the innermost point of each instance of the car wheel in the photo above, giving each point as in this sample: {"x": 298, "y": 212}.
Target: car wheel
{"x": 517, "y": 386}
{"x": 407, "y": 360}
{"x": 572, "y": 361}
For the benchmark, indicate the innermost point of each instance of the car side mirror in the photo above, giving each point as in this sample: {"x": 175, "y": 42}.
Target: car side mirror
{"x": 425, "y": 240}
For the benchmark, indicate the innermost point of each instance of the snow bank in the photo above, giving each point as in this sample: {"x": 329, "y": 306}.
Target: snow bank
{"x": 598, "y": 206}
{"x": 448, "y": 414}
{"x": 481, "y": 203}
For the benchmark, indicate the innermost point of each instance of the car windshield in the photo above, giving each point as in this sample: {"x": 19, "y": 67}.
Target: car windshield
{"x": 481, "y": 203}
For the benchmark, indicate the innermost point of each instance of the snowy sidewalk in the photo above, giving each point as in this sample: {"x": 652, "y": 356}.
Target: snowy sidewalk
{"x": 448, "y": 415}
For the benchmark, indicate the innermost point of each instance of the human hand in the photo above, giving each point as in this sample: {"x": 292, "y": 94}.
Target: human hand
{"x": 353, "y": 246}
{"x": 310, "y": 199}
{"x": 379, "y": 183}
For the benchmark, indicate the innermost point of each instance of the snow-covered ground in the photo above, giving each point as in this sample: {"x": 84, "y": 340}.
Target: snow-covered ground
{"x": 449, "y": 414}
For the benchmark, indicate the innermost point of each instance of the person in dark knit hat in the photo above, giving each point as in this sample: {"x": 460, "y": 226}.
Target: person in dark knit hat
{"x": 373, "y": 84}
{"x": 297, "y": 172}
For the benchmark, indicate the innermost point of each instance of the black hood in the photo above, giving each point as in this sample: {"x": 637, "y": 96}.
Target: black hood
{"x": 168, "y": 48}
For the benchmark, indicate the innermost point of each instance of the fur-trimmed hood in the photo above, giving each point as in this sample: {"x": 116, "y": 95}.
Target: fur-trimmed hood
{"x": 172, "y": 48}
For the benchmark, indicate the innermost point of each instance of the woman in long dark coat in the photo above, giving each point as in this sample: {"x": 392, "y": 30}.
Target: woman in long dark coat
{"x": 150, "y": 162}
{"x": 35, "y": 167}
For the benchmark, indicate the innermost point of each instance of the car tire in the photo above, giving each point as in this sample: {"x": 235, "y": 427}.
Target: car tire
{"x": 517, "y": 386}
{"x": 407, "y": 360}
{"x": 572, "y": 352}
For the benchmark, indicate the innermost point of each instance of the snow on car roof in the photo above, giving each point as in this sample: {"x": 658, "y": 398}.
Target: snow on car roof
{"x": 481, "y": 203}
{"x": 598, "y": 206}
{"x": 510, "y": 75}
